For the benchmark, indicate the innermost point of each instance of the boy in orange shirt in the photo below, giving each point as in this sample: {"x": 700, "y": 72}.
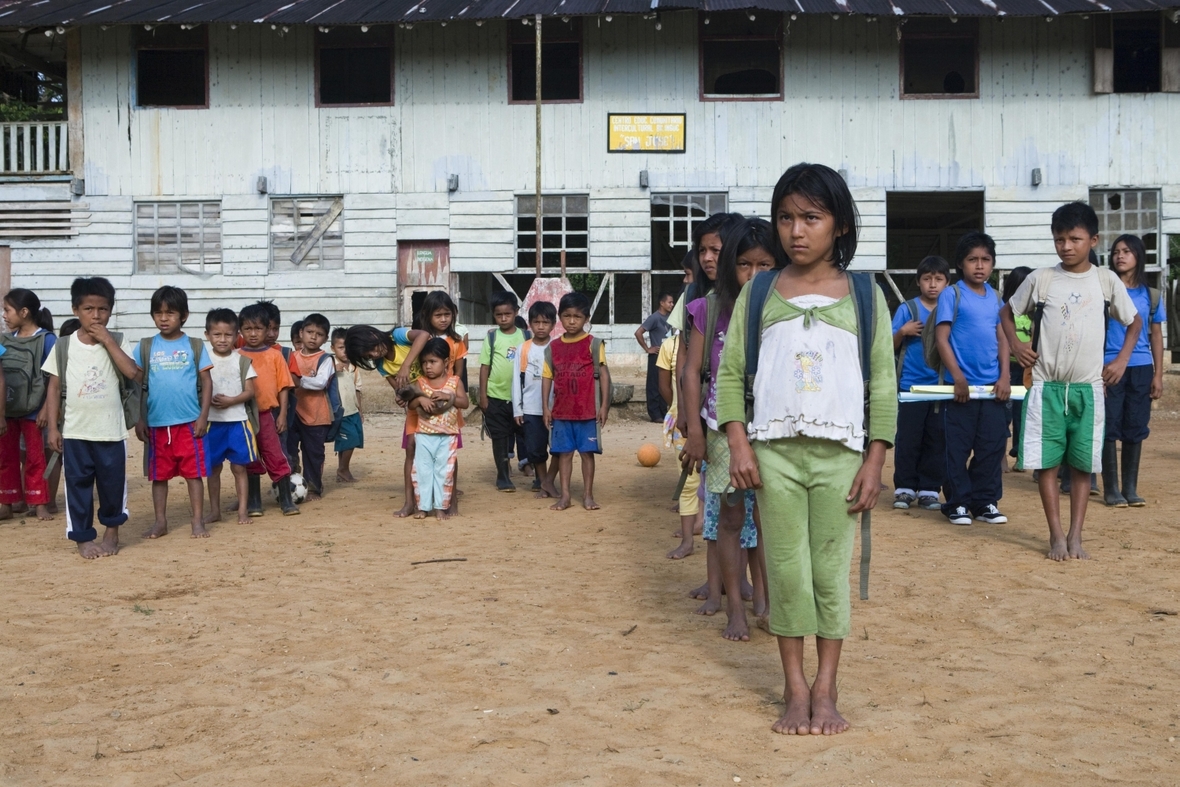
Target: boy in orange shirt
{"x": 313, "y": 371}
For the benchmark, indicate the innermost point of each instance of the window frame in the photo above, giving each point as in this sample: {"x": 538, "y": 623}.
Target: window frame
{"x": 203, "y": 204}
{"x": 703, "y": 35}
{"x": 270, "y": 234}
{"x": 565, "y": 232}
{"x": 1152, "y": 262}
{"x": 382, "y": 38}
{"x": 146, "y": 42}
{"x": 573, "y": 36}
{"x": 970, "y": 31}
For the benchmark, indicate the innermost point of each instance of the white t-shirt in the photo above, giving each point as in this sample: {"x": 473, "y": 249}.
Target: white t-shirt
{"x": 349, "y": 382}
{"x": 94, "y": 407}
{"x": 227, "y": 381}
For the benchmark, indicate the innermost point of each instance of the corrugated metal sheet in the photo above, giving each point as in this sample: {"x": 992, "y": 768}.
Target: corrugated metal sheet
{"x": 35, "y": 13}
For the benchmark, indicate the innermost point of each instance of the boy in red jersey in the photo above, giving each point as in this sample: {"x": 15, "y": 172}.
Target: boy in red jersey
{"x": 580, "y": 384}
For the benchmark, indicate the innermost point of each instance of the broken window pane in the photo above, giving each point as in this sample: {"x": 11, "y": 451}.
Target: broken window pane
{"x": 173, "y": 237}
{"x": 740, "y": 57}
{"x": 295, "y": 220}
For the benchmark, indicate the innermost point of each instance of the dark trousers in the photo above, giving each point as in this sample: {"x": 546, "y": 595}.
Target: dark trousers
{"x": 502, "y": 429}
{"x": 88, "y": 465}
{"x": 1128, "y": 405}
{"x": 919, "y": 451}
{"x": 977, "y": 429}
{"x": 656, "y": 407}
{"x": 291, "y": 436}
{"x": 312, "y": 439}
{"x": 1016, "y": 406}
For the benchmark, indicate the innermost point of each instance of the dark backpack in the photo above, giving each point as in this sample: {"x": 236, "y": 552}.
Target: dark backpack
{"x": 128, "y": 389}
{"x": 22, "y": 373}
{"x": 915, "y": 314}
{"x": 334, "y": 403}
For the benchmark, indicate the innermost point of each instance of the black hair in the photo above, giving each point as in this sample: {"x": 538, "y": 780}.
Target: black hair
{"x": 934, "y": 264}
{"x": 319, "y": 321}
{"x": 1135, "y": 244}
{"x": 1072, "y": 215}
{"x": 1092, "y": 258}
{"x": 666, "y": 294}
{"x": 824, "y": 187}
{"x": 255, "y": 312}
{"x": 296, "y": 327}
{"x": 21, "y": 299}
{"x": 273, "y": 312}
{"x": 437, "y": 348}
{"x": 738, "y": 237}
{"x": 338, "y": 333}
{"x": 438, "y": 300}
{"x": 702, "y": 285}
{"x": 1014, "y": 279}
{"x": 973, "y": 240}
{"x": 577, "y": 301}
{"x": 543, "y": 310}
{"x": 360, "y": 340}
{"x": 70, "y": 327}
{"x": 504, "y": 298}
{"x": 221, "y": 317}
{"x": 95, "y": 285}
{"x": 174, "y": 298}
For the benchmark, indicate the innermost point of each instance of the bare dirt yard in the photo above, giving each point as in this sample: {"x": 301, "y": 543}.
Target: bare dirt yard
{"x": 310, "y": 650}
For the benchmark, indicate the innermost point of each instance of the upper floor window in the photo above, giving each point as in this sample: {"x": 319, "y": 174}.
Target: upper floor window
{"x": 741, "y": 57}
{"x": 178, "y": 236}
{"x": 1136, "y": 53}
{"x": 354, "y": 68}
{"x": 172, "y": 68}
{"x": 940, "y": 58}
{"x": 561, "y": 61}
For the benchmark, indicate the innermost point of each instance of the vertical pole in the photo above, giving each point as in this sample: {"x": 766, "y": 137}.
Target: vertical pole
{"x": 74, "y": 123}
{"x": 537, "y": 21}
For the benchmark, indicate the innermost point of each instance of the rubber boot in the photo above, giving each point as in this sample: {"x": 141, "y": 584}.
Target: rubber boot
{"x": 286, "y": 502}
{"x": 1131, "y": 453}
{"x": 1094, "y": 483}
{"x": 254, "y": 495}
{"x": 500, "y": 452}
{"x": 1110, "y": 475}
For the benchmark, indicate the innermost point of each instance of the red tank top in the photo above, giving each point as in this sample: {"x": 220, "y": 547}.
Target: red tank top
{"x": 573, "y": 380}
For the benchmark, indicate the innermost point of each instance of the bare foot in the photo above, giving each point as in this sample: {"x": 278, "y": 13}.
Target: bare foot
{"x": 215, "y": 516}
{"x": 243, "y": 518}
{"x": 442, "y": 513}
{"x": 1058, "y": 550}
{"x": 5, "y": 511}
{"x": 199, "y": 530}
{"x": 796, "y": 719}
{"x": 43, "y": 513}
{"x": 419, "y": 515}
{"x": 682, "y": 551}
{"x": 52, "y": 507}
{"x": 549, "y": 489}
{"x": 747, "y": 590}
{"x": 825, "y": 719}
{"x": 404, "y": 511}
{"x": 701, "y": 593}
{"x": 20, "y": 508}
{"x": 345, "y": 477}
{"x": 589, "y": 504}
{"x": 738, "y": 628}
{"x": 561, "y": 504}
{"x": 761, "y": 608}
{"x": 542, "y": 494}
{"x": 91, "y": 550}
{"x": 313, "y": 496}
{"x": 110, "y": 542}
{"x": 709, "y": 608}
{"x": 1076, "y": 551}
{"x": 158, "y": 530}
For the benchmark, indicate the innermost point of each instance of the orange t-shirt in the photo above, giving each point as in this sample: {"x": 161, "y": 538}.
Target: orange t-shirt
{"x": 273, "y": 375}
{"x": 311, "y": 406}
{"x": 458, "y": 352}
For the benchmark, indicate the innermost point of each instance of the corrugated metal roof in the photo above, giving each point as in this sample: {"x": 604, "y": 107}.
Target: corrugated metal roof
{"x": 37, "y": 13}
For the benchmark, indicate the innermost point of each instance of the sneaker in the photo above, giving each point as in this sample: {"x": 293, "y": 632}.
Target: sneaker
{"x": 959, "y": 515}
{"x": 991, "y": 515}
{"x": 929, "y": 502}
{"x": 903, "y": 500}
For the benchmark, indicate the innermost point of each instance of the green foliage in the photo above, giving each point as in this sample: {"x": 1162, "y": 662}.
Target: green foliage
{"x": 20, "y": 112}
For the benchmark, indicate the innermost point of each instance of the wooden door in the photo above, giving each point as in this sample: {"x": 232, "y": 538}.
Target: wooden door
{"x": 422, "y": 266}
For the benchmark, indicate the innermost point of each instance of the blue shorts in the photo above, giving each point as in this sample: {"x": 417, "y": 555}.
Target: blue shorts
{"x": 232, "y": 440}
{"x": 352, "y": 434}
{"x": 580, "y": 436}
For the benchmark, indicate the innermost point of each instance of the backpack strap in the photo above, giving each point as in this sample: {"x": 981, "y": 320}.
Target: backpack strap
{"x": 1153, "y": 296}
{"x": 915, "y": 313}
{"x": 1039, "y": 295}
{"x": 145, "y": 363}
{"x": 492, "y": 345}
{"x": 712, "y": 313}
{"x": 244, "y": 367}
{"x": 596, "y": 350}
{"x": 861, "y": 290}
{"x": 760, "y": 288}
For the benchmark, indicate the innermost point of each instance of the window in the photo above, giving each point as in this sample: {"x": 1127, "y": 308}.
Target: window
{"x": 354, "y": 68}
{"x": 172, "y": 68}
{"x": 564, "y": 227}
{"x": 741, "y": 58}
{"x": 673, "y": 218}
{"x": 1136, "y": 53}
{"x": 177, "y": 236}
{"x": 939, "y": 59}
{"x": 306, "y": 233}
{"x": 561, "y": 61}
{"x": 918, "y": 224}
{"x": 1131, "y": 211}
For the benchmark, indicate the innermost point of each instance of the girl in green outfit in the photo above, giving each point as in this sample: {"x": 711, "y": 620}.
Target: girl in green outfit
{"x": 809, "y": 464}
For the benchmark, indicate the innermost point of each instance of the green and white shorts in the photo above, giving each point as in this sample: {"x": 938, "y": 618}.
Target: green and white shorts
{"x": 1063, "y": 422}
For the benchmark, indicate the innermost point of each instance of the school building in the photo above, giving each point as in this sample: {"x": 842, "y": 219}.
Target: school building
{"x": 343, "y": 156}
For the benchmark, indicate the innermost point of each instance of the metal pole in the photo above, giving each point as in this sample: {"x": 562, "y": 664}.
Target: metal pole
{"x": 538, "y": 241}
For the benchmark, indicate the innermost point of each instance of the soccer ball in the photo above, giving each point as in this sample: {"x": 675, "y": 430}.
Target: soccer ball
{"x": 648, "y": 455}
{"x": 298, "y": 488}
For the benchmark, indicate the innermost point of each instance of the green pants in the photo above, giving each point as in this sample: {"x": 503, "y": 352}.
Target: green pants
{"x": 807, "y": 533}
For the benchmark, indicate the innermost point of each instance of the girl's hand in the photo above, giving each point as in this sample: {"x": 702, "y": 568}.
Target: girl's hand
{"x": 1157, "y": 387}
{"x": 42, "y": 418}
{"x": 693, "y": 452}
{"x": 743, "y": 466}
{"x": 402, "y": 378}
{"x": 866, "y": 487}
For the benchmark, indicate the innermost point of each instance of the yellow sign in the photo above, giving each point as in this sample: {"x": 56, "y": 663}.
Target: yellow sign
{"x": 645, "y": 133}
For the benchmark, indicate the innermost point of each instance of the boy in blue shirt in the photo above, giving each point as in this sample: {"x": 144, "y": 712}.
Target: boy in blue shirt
{"x": 178, "y": 390}
{"x": 974, "y": 351}
{"x": 919, "y": 450}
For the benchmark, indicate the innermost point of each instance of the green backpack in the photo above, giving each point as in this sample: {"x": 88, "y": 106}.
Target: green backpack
{"x": 22, "y": 373}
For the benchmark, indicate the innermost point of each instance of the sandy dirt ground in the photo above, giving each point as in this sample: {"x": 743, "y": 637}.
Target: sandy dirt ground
{"x": 310, "y": 651}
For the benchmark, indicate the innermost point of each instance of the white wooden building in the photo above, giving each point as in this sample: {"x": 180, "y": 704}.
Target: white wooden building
{"x": 202, "y": 149}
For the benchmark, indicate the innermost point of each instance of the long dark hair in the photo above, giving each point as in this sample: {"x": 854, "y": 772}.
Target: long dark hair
{"x": 702, "y": 285}
{"x": 823, "y": 186}
{"x": 738, "y": 237}
{"x": 438, "y": 300}
{"x": 21, "y": 299}
{"x": 1135, "y": 244}
{"x": 1014, "y": 279}
{"x": 360, "y": 340}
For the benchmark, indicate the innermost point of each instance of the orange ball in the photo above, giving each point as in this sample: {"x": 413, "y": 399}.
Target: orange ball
{"x": 648, "y": 455}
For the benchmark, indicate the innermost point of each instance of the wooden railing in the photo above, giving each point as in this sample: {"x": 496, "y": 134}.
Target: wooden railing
{"x": 34, "y": 148}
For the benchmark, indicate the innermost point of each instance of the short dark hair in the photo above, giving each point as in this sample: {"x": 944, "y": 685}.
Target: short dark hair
{"x": 221, "y": 317}
{"x": 504, "y": 298}
{"x": 577, "y": 301}
{"x": 296, "y": 327}
{"x": 319, "y": 321}
{"x": 1136, "y": 246}
{"x": 360, "y": 340}
{"x": 255, "y": 312}
{"x": 273, "y": 312}
{"x": 69, "y": 327}
{"x": 1072, "y": 215}
{"x": 543, "y": 310}
{"x": 1014, "y": 279}
{"x": 174, "y": 298}
{"x": 934, "y": 264}
{"x": 666, "y": 294}
{"x": 338, "y": 333}
{"x": 823, "y": 186}
{"x": 973, "y": 240}
{"x": 95, "y": 285}
{"x": 437, "y": 348}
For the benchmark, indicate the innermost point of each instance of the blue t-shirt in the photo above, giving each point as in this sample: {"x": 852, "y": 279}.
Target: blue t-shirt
{"x": 973, "y": 331}
{"x": 914, "y": 370}
{"x": 1116, "y": 332}
{"x": 172, "y": 381}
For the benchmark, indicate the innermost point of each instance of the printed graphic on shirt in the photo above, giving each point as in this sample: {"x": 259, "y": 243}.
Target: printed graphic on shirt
{"x": 94, "y": 385}
{"x": 809, "y": 368}
{"x": 170, "y": 361}
{"x": 1075, "y": 302}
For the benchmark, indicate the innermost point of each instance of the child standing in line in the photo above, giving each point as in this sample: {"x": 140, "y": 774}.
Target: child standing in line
{"x": 688, "y": 505}
{"x": 498, "y": 360}
{"x": 272, "y": 388}
{"x": 439, "y": 398}
{"x": 568, "y": 380}
{"x": 1012, "y": 282}
{"x": 177, "y": 394}
{"x": 28, "y": 346}
{"x": 231, "y": 434}
{"x": 919, "y": 452}
{"x": 809, "y": 462}
{"x": 526, "y": 398}
{"x": 313, "y": 371}
{"x": 86, "y": 419}
{"x": 352, "y": 429}
{"x": 292, "y": 439}
{"x": 974, "y": 351}
{"x": 1064, "y": 410}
